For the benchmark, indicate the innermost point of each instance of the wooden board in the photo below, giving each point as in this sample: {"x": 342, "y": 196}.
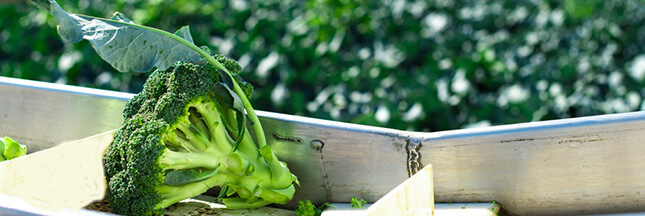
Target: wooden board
{"x": 68, "y": 176}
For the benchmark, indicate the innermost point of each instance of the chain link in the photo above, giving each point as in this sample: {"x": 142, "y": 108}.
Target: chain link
{"x": 414, "y": 165}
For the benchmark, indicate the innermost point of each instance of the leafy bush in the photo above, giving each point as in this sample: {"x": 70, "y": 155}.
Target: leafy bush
{"x": 417, "y": 65}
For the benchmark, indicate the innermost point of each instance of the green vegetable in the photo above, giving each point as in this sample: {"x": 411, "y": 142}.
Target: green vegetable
{"x": 357, "y": 203}
{"x": 122, "y": 43}
{"x": 11, "y": 149}
{"x": 128, "y": 46}
{"x": 186, "y": 131}
{"x": 2, "y": 158}
{"x": 306, "y": 208}
{"x": 181, "y": 137}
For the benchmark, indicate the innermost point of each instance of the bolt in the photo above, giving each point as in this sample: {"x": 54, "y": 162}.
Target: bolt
{"x": 317, "y": 145}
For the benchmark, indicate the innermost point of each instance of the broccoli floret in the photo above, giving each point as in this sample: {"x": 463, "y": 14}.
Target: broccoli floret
{"x": 181, "y": 137}
{"x": 306, "y": 208}
{"x": 357, "y": 203}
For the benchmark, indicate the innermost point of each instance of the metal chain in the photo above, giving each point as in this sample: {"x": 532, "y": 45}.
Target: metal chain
{"x": 414, "y": 165}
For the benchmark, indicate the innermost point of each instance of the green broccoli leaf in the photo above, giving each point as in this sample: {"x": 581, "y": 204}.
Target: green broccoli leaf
{"x": 13, "y": 149}
{"x": 357, "y": 203}
{"x": 2, "y": 158}
{"x": 306, "y": 208}
{"x": 227, "y": 96}
{"x": 120, "y": 42}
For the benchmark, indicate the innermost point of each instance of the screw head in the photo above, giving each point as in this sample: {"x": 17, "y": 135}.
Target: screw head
{"x": 317, "y": 145}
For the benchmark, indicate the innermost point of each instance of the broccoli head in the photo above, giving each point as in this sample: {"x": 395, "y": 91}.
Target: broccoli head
{"x": 184, "y": 134}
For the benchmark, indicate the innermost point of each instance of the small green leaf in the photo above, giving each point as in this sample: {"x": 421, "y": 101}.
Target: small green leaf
{"x": 222, "y": 192}
{"x": 228, "y": 97}
{"x": 322, "y": 208}
{"x": 267, "y": 153}
{"x": 184, "y": 32}
{"x": 250, "y": 169}
{"x": 225, "y": 93}
{"x": 247, "y": 88}
{"x": 2, "y": 158}
{"x": 182, "y": 177}
{"x": 12, "y": 149}
{"x": 294, "y": 178}
{"x": 357, "y": 203}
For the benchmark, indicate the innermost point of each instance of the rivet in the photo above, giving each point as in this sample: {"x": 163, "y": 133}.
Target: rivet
{"x": 317, "y": 145}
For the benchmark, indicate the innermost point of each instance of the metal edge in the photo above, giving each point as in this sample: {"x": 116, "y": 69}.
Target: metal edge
{"x": 65, "y": 88}
{"x": 263, "y": 114}
{"x": 532, "y": 126}
{"x": 572, "y": 166}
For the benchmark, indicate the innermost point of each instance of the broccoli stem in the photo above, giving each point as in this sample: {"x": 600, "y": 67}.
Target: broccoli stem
{"x": 173, "y": 160}
{"x": 198, "y": 121}
{"x": 280, "y": 176}
{"x": 248, "y": 146}
{"x": 257, "y": 126}
{"x": 239, "y": 203}
{"x": 173, "y": 194}
{"x": 210, "y": 116}
{"x": 195, "y": 137}
{"x": 178, "y": 142}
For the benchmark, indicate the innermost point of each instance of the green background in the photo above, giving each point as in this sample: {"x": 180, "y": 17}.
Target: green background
{"x": 412, "y": 65}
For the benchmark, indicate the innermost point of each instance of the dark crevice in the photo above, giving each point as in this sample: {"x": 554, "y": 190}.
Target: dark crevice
{"x": 196, "y": 119}
{"x": 180, "y": 134}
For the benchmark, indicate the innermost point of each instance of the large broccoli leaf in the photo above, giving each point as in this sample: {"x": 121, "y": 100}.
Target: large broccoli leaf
{"x": 122, "y": 43}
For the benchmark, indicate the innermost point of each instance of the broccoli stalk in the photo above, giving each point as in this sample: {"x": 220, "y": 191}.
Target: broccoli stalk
{"x": 182, "y": 135}
{"x": 200, "y": 141}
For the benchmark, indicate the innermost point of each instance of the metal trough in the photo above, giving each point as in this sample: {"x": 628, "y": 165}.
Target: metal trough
{"x": 584, "y": 165}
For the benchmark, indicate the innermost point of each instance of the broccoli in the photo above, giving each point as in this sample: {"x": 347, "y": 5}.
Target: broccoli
{"x": 306, "y": 208}
{"x": 357, "y": 203}
{"x": 10, "y": 149}
{"x": 185, "y": 133}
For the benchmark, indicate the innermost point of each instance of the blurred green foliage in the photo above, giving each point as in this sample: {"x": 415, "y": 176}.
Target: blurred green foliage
{"x": 408, "y": 64}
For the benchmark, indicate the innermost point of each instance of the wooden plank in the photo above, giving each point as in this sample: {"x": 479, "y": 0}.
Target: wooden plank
{"x": 68, "y": 176}
{"x": 415, "y": 196}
